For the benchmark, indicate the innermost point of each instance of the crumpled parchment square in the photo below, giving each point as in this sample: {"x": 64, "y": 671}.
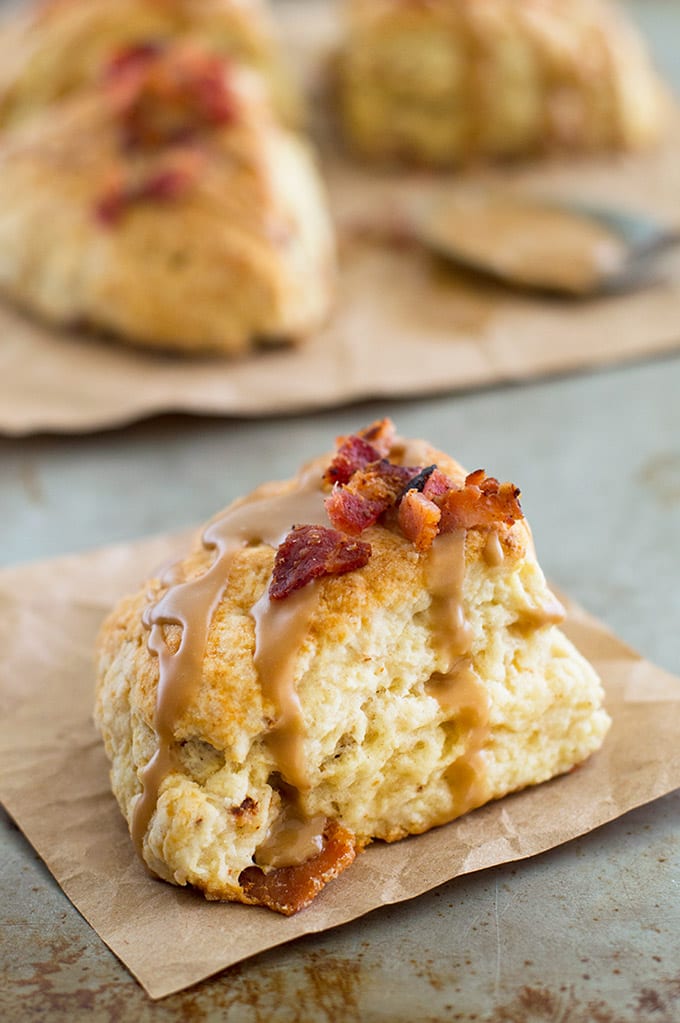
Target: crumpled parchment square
{"x": 54, "y": 783}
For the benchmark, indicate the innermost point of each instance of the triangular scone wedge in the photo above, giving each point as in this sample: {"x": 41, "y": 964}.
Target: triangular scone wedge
{"x": 53, "y": 48}
{"x": 282, "y": 697}
{"x": 449, "y": 81}
{"x": 167, "y": 207}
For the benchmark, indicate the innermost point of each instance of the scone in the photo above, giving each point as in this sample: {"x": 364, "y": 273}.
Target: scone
{"x": 53, "y": 48}
{"x": 445, "y": 81}
{"x": 364, "y": 652}
{"x": 168, "y": 207}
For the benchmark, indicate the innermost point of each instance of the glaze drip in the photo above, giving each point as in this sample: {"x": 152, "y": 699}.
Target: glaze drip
{"x": 458, "y": 689}
{"x": 493, "y": 550}
{"x": 191, "y": 605}
{"x": 280, "y": 629}
{"x": 293, "y": 839}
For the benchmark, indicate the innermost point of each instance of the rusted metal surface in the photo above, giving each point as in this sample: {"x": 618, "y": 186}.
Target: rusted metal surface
{"x": 588, "y": 933}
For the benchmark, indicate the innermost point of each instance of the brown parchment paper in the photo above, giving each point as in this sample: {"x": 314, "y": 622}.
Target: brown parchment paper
{"x": 402, "y": 326}
{"x": 54, "y": 782}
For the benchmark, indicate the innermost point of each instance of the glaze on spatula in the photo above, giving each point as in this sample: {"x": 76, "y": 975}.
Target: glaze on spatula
{"x": 568, "y": 248}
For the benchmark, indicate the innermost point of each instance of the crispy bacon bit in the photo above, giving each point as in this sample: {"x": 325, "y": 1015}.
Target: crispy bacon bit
{"x": 287, "y": 890}
{"x": 354, "y": 454}
{"x": 353, "y": 513}
{"x": 370, "y": 492}
{"x": 419, "y": 519}
{"x": 437, "y": 484}
{"x": 131, "y": 59}
{"x": 309, "y": 552}
{"x": 381, "y": 435}
{"x": 165, "y": 184}
{"x": 110, "y": 206}
{"x": 360, "y": 449}
{"x": 164, "y": 95}
{"x": 421, "y": 501}
{"x": 481, "y": 503}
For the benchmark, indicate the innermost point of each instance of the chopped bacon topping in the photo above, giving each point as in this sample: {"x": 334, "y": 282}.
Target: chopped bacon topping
{"x": 426, "y": 500}
{"x": 419, "y": 519}
{"x": 165, "y": 184}
{"x": 359, "y": 450}
{"x": 289, "y": 889}
{"x": 353, "y": 454}
{"x": 164, "y": 95}
{"x": 381, "y": 435}
{"x": 359, "y": 503}
{"x": 131, "y": 59}
{"x": 353, "y": 513}
{"x": 437, "y": 484}
{"x": 309, "y": 552}
{"x": 421, "y": 501}
{"x": 481, "y": 503}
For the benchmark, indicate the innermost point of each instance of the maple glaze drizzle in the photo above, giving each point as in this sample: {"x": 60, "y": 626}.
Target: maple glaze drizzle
{"x": 444, "y": 578}
{"x": 550, "y": 613}
{"x": 280, "y": 628}
{"x": 458, "y": 690}
{"x": 493, "y": 549}
{"x": 192, "y": 604}
{"x": 293, "y": 839}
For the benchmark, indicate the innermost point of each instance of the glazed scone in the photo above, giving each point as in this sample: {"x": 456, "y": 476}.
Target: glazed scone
{"x": 364, "y": 652}
{"x": 168, "y": 207}
{"x": 447, "y": 81}
{"x": 53, "y": 48}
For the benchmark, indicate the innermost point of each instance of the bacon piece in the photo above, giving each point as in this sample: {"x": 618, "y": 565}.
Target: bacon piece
{"x": 309, "y": 552}
{"x": 163, "y": 95}
{"x": 353, "y": 513}
{"x": 370, "y": 492}
{"x": 437, "y": 484}
{"x": 419, "y": 519}
{"x": 481, "y": 503}
{"x": 131, "y": 60}
{"x": 110, "y": 206}
{"x": 287, "y": 890}
{"x": 360, "y": 449}
{"x": 353, "y": 454}
{"x": 381, "y": 435}
{"x": 392, "y": 478}
{"x": 165, "y": 184}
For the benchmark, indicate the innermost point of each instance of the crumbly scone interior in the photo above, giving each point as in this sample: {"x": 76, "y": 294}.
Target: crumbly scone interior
{"x": 392, "y": 736}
